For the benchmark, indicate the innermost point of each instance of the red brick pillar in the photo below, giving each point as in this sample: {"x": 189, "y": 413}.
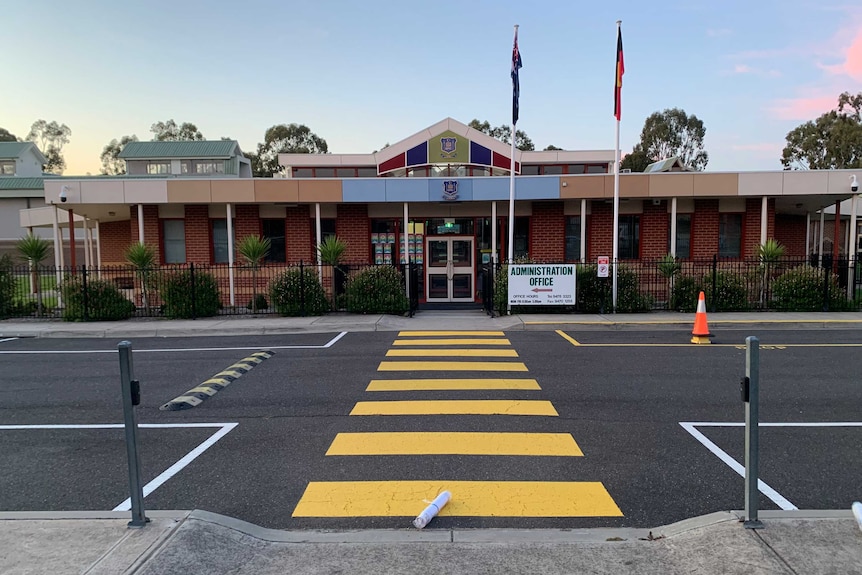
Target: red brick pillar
{"x": 354, "y": 227}
{"x": 548, "y": 232}
{"x": 601, "y": 236}
{"x": 704, "y": 229}
{"x": 198, "y": 234}
{"x": 655, "y": 223}
{"x": 298, "y": 235}
{"x": 246, "y": 220}
{"x": 152, "y": 229}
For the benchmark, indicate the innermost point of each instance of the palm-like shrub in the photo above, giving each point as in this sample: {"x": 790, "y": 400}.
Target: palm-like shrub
{"x": 668, "y": 268}
{"x": 34, "y": 250}
{"x": 254, "y": 249}
{"x": 143, "y": 258}
{"x": 331, "y": 250}
{"x": 768, "y": 253}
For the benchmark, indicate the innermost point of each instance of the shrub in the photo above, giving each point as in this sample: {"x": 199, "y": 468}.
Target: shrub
{"x": 376, "y": 289}
{"x": 731, "y": 295}
{"x": 177, "y": 295}
{"x": 686, "y": 290}
{"x": 297, "y": 291}
{"x": 801, "y": 289}
{"x": 258, "y": 302}
{"x": 104, "y": 301}
{"x": 595, "y": 294}
{"x": 7, "y": 286}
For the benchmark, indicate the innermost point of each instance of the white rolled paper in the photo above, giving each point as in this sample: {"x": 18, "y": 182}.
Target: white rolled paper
{"x": 432, "y": 510}
{"x": 857, "y": 512}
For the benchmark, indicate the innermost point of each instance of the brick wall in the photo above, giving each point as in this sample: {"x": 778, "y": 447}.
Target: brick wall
{"x": 113, "y": 242}
{"x": 198, "y": 234}
{"x": 790, "y": 232}
{"x": 152, "y": 229}
{"x": 600, "y": 237}
{"x": 354, "y": 227}
{"x": 548, "y": 232}
{"x": 655, "y": 222}
{"x": 751, "y": 225}
{"x": 247, "y": 221}
{"x": 829, "y": 235}
{"x": 297, "y": 229}
{"x": 704, "y": 229}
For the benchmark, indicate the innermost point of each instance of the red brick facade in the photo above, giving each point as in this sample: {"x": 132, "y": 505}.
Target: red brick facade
{"x": 113, "y": 242}
{"x": 548, "y": 232}
{"x": 298, "y": 235}
{"x": 353, "y": 226}
{"x": 655, "y": 222}
{"x": 600, "y": 238}
{"x": 198, "y": 235}
{"x": 790, "y": 232}
{"x": 704, "y": 229}
{"x": 152, "y": 231}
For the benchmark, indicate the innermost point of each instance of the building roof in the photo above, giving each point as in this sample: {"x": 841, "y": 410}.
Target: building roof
{"x": 14, "y": 150}
{"x": 672, "y": 164}
{"x": 16, "y": 183}
{"x": 209, "y": 149}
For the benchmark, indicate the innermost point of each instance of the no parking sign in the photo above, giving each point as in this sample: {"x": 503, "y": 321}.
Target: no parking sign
{"x": 604, "y": 262}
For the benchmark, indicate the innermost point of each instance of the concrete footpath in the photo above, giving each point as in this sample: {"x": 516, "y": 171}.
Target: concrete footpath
{"x": 199, "y": 542}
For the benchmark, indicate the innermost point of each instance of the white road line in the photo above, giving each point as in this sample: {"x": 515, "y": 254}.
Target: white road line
{"x": 774, "y": 424}
{"x": 109, "y": 425}
{"x": 179, "y": 465}
{"x": 8, "y": 339}
{"x": 772, "y": 494}
{"x": 327, "y": 345}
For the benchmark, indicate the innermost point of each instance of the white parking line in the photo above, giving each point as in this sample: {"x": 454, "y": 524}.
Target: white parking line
{"x": 8, "y": 339}
{"x": 768, "y": 491}
{"x": 327, "y": 345}
{"x": 224, "y": 429}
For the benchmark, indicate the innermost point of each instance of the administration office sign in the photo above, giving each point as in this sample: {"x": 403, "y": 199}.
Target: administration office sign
{"x": 542, "y": 284}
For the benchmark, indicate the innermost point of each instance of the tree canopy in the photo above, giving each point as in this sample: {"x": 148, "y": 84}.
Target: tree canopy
{"x": 112, "y": 165}
{"x": 169, "y": 131}
{"x": 7, "y": 136}
{"x": 672, "y": 132}
{"x": 637, "y": 160}
{"x": 832, "y": 141}
{"x": 551, "y": 147}
{"x": 284, "y": 139}
{"x": 50, "y": 137}
{"x": 504, "y": 134}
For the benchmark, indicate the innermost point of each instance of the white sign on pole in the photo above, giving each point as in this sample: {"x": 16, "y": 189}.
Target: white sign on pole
{"x": 542, "y": 284}
{"x": 604, "y": 263}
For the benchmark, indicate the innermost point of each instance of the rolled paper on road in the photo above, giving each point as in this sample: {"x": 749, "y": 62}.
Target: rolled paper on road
{"x": 432, "y": 510}
{"x": 857, "y": 512}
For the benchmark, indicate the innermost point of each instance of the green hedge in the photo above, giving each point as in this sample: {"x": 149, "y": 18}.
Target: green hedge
{"x": 176, "y": 295}
{"x": 289, "y": 290}
{"x": 801, "y": 289}
{"x": 595, "y": 294}
{"x": 376, "y": 289}
{"x": 731, "y": 295}
{"x": 104, "y": 300}
{"x": 7, "y": 286}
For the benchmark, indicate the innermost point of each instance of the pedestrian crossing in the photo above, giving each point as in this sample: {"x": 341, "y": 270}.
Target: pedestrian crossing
{"x": 486, "y": 356}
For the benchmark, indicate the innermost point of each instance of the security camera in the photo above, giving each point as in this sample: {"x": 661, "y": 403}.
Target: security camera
{"x": 63, "y": 194}
{"x": 854, "y": 185}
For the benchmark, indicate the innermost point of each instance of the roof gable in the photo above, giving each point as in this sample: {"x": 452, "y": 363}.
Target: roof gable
{"x": 180, "y": 149}
{"x": 15, "y": 150}
{"x": 672, "y": 164}
{"x": 439, "y": 129}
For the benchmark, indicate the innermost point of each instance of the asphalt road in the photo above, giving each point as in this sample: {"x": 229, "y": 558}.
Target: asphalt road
{"x": 621, "y": 395}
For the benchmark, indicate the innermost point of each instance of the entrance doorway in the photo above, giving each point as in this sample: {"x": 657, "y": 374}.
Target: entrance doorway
{"x": 450, "y": 275}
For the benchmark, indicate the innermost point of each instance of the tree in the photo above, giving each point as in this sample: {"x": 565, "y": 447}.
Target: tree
{"x": 33, "y": 250}
{"x": 672, "y": 132}
{"x": 50, "y": 139}
{"x": 170, "y": 132}
{"x": 254, "y": 249}
{"x": 7, "y": 136}
{"x": 832, "y": 141}
{"x": 504, "y": 134}
{"x": 285, "y": 139}
{"x": 112, "y": 165}
{"x": 552, "y": 147}
{"x": 637, "y": 160}
{"x": 143, "y": 258}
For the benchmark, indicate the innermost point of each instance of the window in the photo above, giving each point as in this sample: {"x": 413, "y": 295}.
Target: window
{"x": 530, "y": 170}
{"x": 345, "y": 172}
{"x": 522, "y": 237}
{"x": 274, "y": 230}
{"x": 185, "y": 167}
{"x": 597, "y": 169}
{"x": 303, "y": 173}
{"x": 573, "y": 238}
{"x": 174, "y": 241}
{"x": 729, "y": 235}
{"x": 629, "y": 242}
{"x": 367, "y": 172}
{"x": 552, "y": 170}
{"x": 7, "y": 168}
{"x": 220, "y": 241}
{"x": 209, "y": 167}
{"x": 576, "y": 168}
{"x": 683, "y": 235}
{"x": 324, "y": 172}
{"x": 327, "y": 228}
{"x": 158, "y": 168}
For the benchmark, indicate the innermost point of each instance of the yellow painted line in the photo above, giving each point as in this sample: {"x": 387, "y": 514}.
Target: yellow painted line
{"x": 451, "y": 366}
{"x": 449, "y": 384}
{"x": 456, "y": 407}
{"x": 455, "y": 443}
{"x": 449, "y": 333}
{"x": 469, "y": 499}
{"x": 564, "y": 335}
{"x": 452, "y": 353}
{"x": 452, "y": 341}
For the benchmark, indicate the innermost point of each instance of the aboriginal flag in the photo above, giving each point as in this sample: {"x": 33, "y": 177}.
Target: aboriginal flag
{"x": 516, "y": 84}
{"x": 618, "y": 81}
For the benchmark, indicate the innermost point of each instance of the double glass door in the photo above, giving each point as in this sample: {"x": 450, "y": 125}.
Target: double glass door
{"x": 450, "y": 274}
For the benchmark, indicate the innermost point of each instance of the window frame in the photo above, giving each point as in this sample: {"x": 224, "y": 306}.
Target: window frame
{"x": 163, "y": 241}
{"x": 270, "y": 259}
{"x": 741, "y": 216}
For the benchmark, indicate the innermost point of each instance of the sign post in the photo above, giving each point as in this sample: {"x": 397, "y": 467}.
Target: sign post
{"x": 603, "y": 265}
{"x": 542, "y": 284}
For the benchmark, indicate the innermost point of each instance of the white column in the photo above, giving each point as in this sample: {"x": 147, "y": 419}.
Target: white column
{"x": 673, "y": 226}
{"x": 319, "y": 236}
{"x": 851, "y": 231}
{"x": 99, "y": 248}
{"x": 494, "y": 233}
{"x": 141, "y": 223}
{"x": 807, "y": 233}
{"x": 230, "y": 243}
{"x": 88, "y": 243}
{"x": 58, "y": 251}
{"x": 406, "y": 251}
{"x": 584, "y": 230}
{"x": 820, "y": 250}
{"x": 764, "y": 215}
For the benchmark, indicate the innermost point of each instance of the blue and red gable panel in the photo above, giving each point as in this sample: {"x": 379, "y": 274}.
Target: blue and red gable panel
{"x": 479, "y": 154}
{"x": 418, "y": 156}
{"x": 391, "y": 164}
{"x": 501, "y": 161}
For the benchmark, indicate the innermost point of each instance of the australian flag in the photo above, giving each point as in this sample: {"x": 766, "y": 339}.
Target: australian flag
{"x": 516, "y": 85}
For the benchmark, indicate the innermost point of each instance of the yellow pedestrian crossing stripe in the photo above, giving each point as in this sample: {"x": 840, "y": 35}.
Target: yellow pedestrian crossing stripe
{"x": 449, "y": 333}
{"x": 451, "y": 366}
{"x": 449, "y": 384}
{"x": 455, "y": 443}
{"x": 455, "y": 407}
{"x": 451, "y": 341}
{"x": 469, "y": 499}
{"x": 452, "y": 353}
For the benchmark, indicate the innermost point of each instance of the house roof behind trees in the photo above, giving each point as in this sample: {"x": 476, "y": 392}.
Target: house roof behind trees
{"x": 672, "y": 164}
{"x": 206, "y": 149}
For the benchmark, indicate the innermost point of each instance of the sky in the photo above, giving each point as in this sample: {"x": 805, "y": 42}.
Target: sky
{"x": 363, "y": 74}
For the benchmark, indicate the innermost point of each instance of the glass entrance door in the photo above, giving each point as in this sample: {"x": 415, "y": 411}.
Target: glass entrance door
{"x": 449, "y": 265}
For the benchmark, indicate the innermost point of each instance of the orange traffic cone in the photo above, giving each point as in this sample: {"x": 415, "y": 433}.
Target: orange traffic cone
{"x": 700, "y": 333}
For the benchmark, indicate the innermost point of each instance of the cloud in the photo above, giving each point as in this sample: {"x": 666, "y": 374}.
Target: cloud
{"x": 742, "y": 69}
{"x": 804, "y": 108}
{"x": 852, "y": 60}
{"x": 746, "y": 69}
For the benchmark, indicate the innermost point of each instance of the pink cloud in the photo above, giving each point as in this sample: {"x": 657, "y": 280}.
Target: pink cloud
{"x": 852, "y": 65}
{"x": 803, "y": 108}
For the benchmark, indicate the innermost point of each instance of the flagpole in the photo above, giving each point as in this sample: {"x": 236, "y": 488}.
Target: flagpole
{"x": 511, "y": 246}
{"x": 616, "y": 228}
